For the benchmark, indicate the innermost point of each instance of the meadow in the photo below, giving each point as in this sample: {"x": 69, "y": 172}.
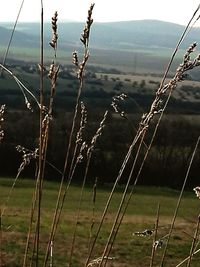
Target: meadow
{"x": 97, "y": 152}
{"x": 131, "y": 247}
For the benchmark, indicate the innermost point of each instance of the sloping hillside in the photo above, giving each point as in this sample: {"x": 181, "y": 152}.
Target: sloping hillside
{"x": 124, "y": 35}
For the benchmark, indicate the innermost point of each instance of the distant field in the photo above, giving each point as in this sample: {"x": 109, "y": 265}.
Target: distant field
{"x": 140, "y": 60}
{"x": 129, "y": 250}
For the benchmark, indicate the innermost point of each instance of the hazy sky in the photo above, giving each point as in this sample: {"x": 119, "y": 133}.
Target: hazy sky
{"x": 178, "y": 11}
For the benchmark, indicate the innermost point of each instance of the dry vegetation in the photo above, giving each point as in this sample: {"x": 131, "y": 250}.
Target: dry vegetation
{"x": 97, "y": 224}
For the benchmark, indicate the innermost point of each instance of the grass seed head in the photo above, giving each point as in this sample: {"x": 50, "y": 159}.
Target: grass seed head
{"x": 197, "y": 191}
{"x": 86, "y": 31}
{"x": 2, "y": 110}
{"x": 54, "y": 39}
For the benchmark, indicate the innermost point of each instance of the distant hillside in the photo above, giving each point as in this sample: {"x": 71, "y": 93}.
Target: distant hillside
{"x": 134, "y": 46}
{"x": 118, "y": 35}
{"x": 20, "y": 38}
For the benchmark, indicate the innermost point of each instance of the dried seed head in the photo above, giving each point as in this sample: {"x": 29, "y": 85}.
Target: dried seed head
{"x": 146, "y": 232}
{"x": 2, "y": 110}
{"x": 158, "y": 244}
{"x": 115, "y": 104}
{"x": 53, "y": 71}
{"x": 28, "y": 155}
{"x": 41, "y": 68}
{"x": 28, "y": 105}
{"x": 54, "y": 39}
{"x": 79, "y": 136}
{"x": 197, "y": 191}
{"x": 86, "y": 32}
{"x": 98, "y": 133}
{"x": 75, "y": 58}
{"x": 97, "y": 261}
{"x": 81, "y": 153}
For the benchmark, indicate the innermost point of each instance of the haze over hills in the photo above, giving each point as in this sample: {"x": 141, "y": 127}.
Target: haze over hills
{"x": 124, "y": 35}
{"x": 130, "y": 46}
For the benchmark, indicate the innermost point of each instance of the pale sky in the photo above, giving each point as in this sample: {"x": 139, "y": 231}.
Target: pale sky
{"x": 178, "y": 11}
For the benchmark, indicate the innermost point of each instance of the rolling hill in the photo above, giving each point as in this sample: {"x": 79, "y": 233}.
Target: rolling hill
{"x": 135, "y": 46}
{"x": 124, "y": 35}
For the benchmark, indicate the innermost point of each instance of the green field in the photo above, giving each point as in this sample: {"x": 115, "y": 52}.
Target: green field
{"x": 128, "y": 250}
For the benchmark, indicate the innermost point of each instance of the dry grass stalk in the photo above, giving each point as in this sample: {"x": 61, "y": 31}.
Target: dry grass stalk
{"x": 80, "y": 145}
{"x": 155, "y": 236}
{"x": 28, "y": 155}
{"x": 94, "y": 195}
{"x": 11, "y": 38}
{"x": 83, "y": 122}
{"x": 2, "y": 110}
{"x": 187, "y": 258}
{"x": 156, "y": 107}
{"x": 97, "y": 134}
{"x": 146, "y": 119}
{"x": 115, "y": 104}
{"x": 63, "y": 188}
{"x": 25, "y": 91}
{"x": 194, "y": 242}
{"x": 182, "y": 68}
{"x": 179, "y": 202}
{"x": 41, "y": 162}
{"x": 97, "y": 261}
{"x": 53, "y": 42}
{"x": 89, "y": 156}
{"x": 1, "y": 240}
{"x": 86, "y": 32}
{"x": 118, "y": 220}
{"x": 197, "y": 191}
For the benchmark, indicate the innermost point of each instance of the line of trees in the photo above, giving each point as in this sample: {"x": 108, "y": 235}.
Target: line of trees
{"x": 166, "y": 164}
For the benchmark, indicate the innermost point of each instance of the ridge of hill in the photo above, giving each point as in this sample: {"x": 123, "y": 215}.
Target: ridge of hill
{"x": 116, "y": 35}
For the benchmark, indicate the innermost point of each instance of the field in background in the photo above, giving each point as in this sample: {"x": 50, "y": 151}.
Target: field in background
{"x": 138, "y": 60}
{"x": 129, "y": 249}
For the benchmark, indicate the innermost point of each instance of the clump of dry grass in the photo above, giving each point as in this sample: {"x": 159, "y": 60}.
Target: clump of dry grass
{"x": 81, "y": 149}
{"x": 69, "y": 167}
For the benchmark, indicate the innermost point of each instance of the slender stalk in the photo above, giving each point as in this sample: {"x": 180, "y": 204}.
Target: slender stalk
{"x": 78, "y": 212}
{"x": 112, "y": 235}
{"x": 40, "y": 164}
{"x": 51, "y": 255}
{"x": 89, "y": 156}
{"x": 80, "y": 74}
{"x": 109, "y": 200}
{"x": 140, "y": 170}
{"x": 61, "y": 196}
{"x": 11, "y": 37}
{"x": 178, "y": 203}
{"x": 159, "y": 92}
{"x": 9, "y": 195}
{"x": 155, "y": 236}
{"x": 22, "y": 87}
{"x": 93, "y": 212}
{"x": 195, "y": 252}
{"x": 32, "y": 211}
{"x": 1, "y": 240}
{"x": 194, "y": 242}
{"x": 145, "y": 121}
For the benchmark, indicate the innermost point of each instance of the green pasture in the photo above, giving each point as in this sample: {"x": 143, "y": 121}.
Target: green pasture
{"x": 128, "y": 250}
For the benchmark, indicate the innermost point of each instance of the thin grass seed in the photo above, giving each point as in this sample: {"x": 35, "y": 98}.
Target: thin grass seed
{"x": 2, "y": 111}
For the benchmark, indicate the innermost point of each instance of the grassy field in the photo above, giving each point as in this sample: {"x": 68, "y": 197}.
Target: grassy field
{"x": 141, "y": 60}
{"x": 129, "y": 249}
